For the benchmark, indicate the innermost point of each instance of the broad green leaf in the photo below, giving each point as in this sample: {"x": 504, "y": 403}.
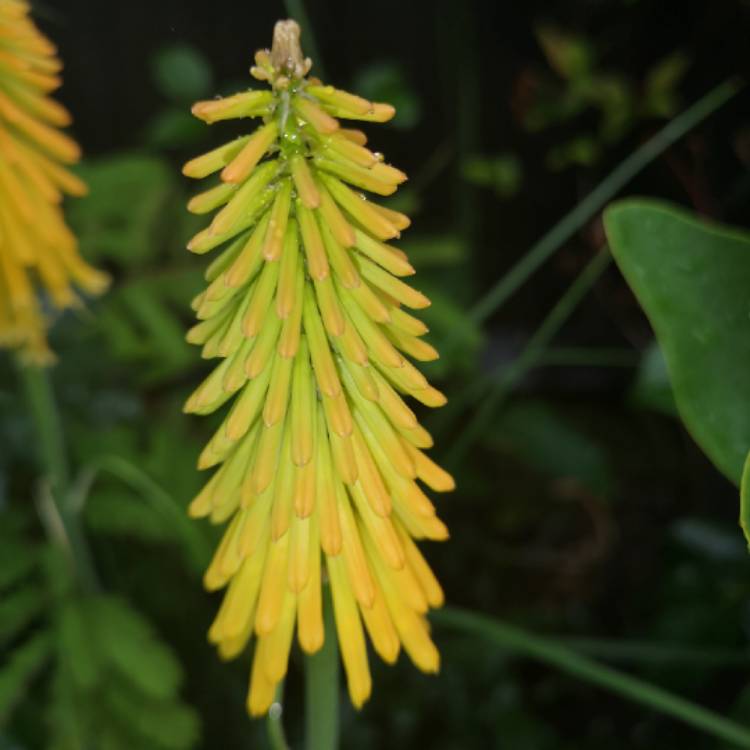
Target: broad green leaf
{"x": 745, "y": 499}
{"x": 692, "y": 279}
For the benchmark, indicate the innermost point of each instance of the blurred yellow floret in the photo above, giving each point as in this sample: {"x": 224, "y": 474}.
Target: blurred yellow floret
{"x": 321, "y": 461}
{"x": 36, "y": 247}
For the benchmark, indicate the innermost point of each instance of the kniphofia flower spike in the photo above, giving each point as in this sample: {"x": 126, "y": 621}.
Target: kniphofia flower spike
{"x": 35, "y": 243}
{"x": 320, "y": 455}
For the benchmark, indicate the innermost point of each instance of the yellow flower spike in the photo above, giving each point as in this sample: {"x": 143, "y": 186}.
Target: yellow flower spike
{"x": 36, "y": 247}
{"x": 320, "y": 460}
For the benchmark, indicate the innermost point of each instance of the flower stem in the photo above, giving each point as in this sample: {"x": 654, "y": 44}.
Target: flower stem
{"x": 322, "y": 687}
{"x": 275, "y": 723}
{"x": 53, "y": 463}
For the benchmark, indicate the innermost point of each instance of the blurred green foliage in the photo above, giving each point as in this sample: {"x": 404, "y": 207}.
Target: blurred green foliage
{"x": 582, "y": 84}
{"x": 386, "y": 81}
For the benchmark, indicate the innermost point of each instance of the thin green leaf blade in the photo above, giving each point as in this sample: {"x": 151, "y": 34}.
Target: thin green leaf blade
{"x": 548, "y": 651}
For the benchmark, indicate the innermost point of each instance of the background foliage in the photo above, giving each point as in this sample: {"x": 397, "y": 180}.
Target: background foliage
{"x": 584, "y": 509}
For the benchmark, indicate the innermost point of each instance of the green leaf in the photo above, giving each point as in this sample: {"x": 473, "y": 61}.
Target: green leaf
{"x": 127, "y": 642}
{"x": 115, "y": 684}
{"x": 19, "y": 670}
{"x": 75, "y": 645}
{"x": 569, "y": 55}
{"x": 18, "y": 609}
{"x": 582, "y": 150}
{"x": 182, "y": 73}
{"x": 17, "y": 560}
{"x": 503, "y": 172}
{"x": 141, "y": 323}
{"x": 745, "y": 499}
{"x": 122, "y": 218}
{"x": 168, "y": 725}
{"x": 121, "y": 513}
{"x": 661, "y": 97}
{"x": 692, "y": 279}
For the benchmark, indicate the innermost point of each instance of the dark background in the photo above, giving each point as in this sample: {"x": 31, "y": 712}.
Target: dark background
{"x": 584, "y": 511}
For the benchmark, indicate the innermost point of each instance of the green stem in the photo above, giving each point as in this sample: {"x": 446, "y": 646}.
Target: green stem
{"x": 596, "y": 200}
{"x": 573, "y": 356}
{"x": 54, "y": 466}
{"x": 322, "y": 688}
{"x": 49, "y": 433}
{"x": 505, "y": 379}
{"x": 521, "y": 642}
{"x": 274, "y": 722}
{"x": 644, "y": 652}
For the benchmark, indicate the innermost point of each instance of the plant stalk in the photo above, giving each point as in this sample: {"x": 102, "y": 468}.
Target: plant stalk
{"x": 53, "y": 463}
{"x": 322, "y": 687}
{"x": 275, "y": 723}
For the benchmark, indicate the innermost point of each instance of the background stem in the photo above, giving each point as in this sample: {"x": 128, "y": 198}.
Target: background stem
{"x": 53, "y": 464}
{"x": 519, "y": 641}
{"x": 275, "y": 722}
